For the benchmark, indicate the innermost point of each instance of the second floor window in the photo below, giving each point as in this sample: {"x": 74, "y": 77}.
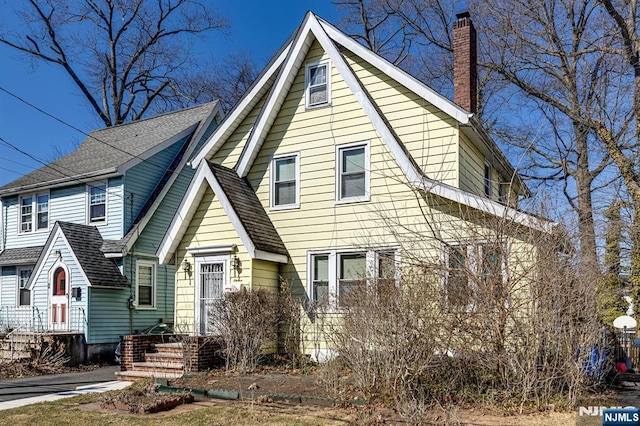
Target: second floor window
{"x": 34, "y": 212}
{"x": 285, "y": 181}
{"x": 97, "y": 203}
{"x": 353, "y": 172}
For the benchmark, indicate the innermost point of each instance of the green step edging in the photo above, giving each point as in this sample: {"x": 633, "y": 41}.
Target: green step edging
{"x": 235, "y": 395}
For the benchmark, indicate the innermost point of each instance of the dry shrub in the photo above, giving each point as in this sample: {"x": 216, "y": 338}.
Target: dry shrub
{"x": 519, "y": 341}
{"x": 247, "y": 323}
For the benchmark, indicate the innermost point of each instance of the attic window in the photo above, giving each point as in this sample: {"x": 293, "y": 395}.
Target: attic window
{"x": 318, "y": 84}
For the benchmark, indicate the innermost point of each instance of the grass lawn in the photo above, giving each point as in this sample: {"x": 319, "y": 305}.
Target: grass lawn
{"x": 85, "y": 410}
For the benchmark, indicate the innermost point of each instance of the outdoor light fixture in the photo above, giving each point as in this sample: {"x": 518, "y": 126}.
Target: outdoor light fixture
{"x": 236, "y": 266}
{"x": 186, "y": 266}
{"x": 58, "y": 254}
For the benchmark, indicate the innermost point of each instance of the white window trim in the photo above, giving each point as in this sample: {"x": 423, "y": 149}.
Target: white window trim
{"x": 473, "y": 257}
{"x": 154, "y": 284}
{"x": 106, "y": 203}
{"x": 34, "y": 212}
{"x": 371, "y": 260}
{"x": 272, "y": 181}
{"x": 18, "y": 270}
{"x": 307, "y": 83}
{"x": 367, "y": 172}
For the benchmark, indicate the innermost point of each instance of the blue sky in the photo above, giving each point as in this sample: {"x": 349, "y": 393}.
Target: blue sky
{"x": 259, "y": 27}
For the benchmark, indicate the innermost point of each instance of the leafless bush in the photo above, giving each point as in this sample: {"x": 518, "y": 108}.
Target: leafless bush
{"x": 49, "y": 356}
{"x": 290, "y": 326}
{"x": 489, "y": 312}
{"x": 247, "y": 322}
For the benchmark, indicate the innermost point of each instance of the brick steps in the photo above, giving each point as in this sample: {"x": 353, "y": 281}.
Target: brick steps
{"x": 165, "y": 363}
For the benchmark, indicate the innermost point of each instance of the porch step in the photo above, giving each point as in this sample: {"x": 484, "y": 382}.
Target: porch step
{"x": 163, "y": 357}
{"x": 135, "y": 376}
{"x": 169, "y": 348}
{"x": 164, "y": 367}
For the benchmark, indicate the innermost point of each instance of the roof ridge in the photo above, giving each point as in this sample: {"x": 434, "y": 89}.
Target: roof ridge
{"x": 153, "y": 117}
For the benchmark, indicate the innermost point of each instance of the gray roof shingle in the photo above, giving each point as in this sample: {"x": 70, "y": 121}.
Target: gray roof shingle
{"x": 20, "y": 256}
{"x": 86, "y": 243}
{"x": 106, "y": 149}
{"x": 246, "y": 204}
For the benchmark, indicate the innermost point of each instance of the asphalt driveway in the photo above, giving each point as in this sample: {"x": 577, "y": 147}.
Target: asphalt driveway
{"x": 29, "y": 387}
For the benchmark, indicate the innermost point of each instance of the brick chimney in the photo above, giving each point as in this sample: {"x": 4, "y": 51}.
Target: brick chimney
{"x": 465, "y": 63}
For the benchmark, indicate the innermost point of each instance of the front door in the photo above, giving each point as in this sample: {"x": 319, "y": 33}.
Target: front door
{"x": 59, "y": 301}
{"x": 212, "y": 276}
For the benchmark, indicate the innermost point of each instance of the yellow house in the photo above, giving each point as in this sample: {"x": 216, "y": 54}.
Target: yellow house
{"x": 327, "y": 169}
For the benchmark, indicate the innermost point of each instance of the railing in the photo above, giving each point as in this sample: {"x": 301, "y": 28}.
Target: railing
{"x": 29, "y": 319}
{"x": 77, "y": 320}
{"x": 22, "y": 318}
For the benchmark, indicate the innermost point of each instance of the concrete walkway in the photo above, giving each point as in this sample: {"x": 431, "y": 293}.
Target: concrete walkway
{"x": 31, "y": 390}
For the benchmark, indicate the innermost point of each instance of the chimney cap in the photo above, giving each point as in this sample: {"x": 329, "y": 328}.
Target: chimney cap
{"x": 463, "y": 15}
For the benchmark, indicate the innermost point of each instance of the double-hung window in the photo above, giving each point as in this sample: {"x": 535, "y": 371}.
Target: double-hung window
{"x": 352, "y": 276}
{"x": 318, "y": 84}
{"x": 24, "y": 294}
{"x": 34, "y": 212}
{"x": 475, "y": 274}
{"x": 352, "y": 174}
{"x": 97, "y": 202}
{"x": 338, "y": 277}
{"x": 285, "y": 181}
{"x": 145, "y": 284}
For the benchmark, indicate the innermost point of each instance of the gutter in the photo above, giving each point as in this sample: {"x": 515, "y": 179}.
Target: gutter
{"x": 83, "y": 178}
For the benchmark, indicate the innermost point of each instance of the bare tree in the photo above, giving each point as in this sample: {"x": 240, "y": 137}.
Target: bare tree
{"x": 547, "y": 53}
{"x": 125, "y": 57}
{"x": 226, "y": 80}
{"x": 619, "y": 125}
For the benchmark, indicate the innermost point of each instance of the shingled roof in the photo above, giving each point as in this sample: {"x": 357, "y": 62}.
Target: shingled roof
{"x": 249, "y": 210}
{"x": 105, "y": 150}
{"x": 20, "y": 256}
{"x": 86, "y": 243}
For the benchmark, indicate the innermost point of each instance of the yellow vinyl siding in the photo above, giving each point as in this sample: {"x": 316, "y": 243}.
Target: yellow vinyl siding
{"x": 472, "y": 168}
{"x": 209, "y": 226}
{"x": 429, "y": 135}
{"x": 229, "y": 153}
{"x": 264, "y": 275}
{"x": 396, "y": 216}
{"x": 320, "y": 223}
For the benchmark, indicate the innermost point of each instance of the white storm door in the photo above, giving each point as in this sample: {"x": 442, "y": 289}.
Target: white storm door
{"x": 59, "y": 302}
{"x": 212, "y": 277}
